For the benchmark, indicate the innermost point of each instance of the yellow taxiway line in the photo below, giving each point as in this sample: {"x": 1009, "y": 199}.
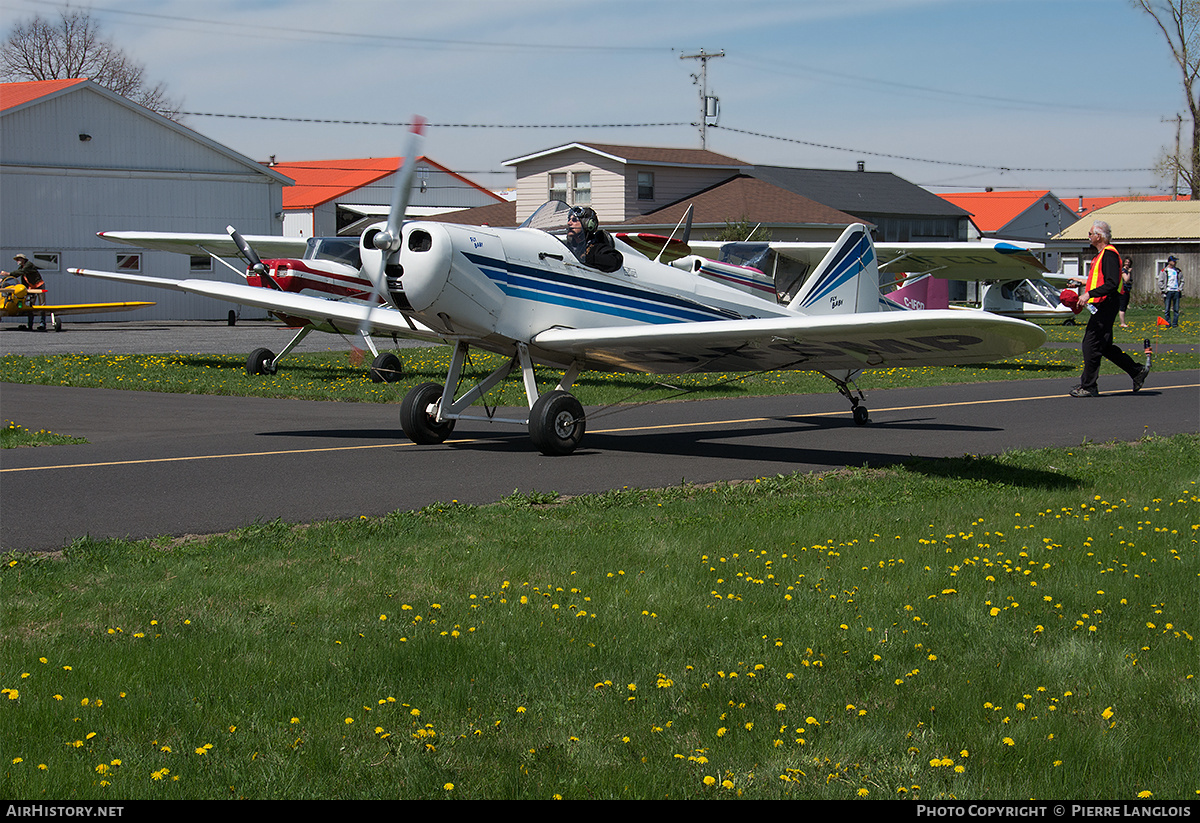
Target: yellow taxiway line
{"x": 699, "y": 424}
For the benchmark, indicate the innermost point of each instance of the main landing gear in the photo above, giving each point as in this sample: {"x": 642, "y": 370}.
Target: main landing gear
{"x": 385, "y": 368}
{"x": 556, "y": 420}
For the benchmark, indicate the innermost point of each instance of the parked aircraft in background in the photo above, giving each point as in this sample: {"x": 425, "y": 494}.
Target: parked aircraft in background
{"x": 328, "y": 268}
{"x": 1014, "y": 281}
{"x": 15, "y": 301}
{"x": 524, "y": 293}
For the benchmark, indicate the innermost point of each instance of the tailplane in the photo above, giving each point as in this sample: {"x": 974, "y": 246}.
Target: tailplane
{"x": 847, "y": 279}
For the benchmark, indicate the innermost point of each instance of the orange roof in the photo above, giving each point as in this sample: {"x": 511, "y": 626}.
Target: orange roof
{"x": 320, "y": 181}
{"x": 18, "y": 94}
{"x": 993, "y": 210}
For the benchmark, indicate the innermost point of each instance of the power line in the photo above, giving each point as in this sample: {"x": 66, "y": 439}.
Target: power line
{"x": 389, "y": 40}
{"x": 921, "y": 159}
{"x": 406, "y": 124}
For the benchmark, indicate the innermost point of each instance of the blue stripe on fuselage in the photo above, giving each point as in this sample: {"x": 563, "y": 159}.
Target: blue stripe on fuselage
{"x": 540, "y": 285}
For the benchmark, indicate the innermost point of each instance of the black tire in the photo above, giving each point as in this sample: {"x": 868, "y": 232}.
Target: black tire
{"x": 231, "y": 318}
{"x": 418, "y": 424}
{"x": 386, "y": 368}
{"x": 861, "y": 415}
{"x": 260, "y": 361}
{"x": 556, "y": 423}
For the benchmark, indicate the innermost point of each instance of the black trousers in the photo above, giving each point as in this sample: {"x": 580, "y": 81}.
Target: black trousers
{"x": 1098, "y": 343}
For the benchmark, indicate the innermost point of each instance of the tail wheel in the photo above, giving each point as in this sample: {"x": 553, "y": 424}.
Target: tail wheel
{"x": 260, "y": 361}
{"x": 419, "y": 424}
{"x": 556, "y": 423}
{"x": 386, "y": 368}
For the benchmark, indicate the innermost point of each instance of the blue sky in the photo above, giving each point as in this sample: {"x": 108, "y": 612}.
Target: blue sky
{"x": 950, "y": 94}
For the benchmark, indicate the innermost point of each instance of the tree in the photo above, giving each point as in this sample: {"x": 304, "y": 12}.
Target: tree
{"x": 1179, "y": 21}
{"x": 74, "y": 47}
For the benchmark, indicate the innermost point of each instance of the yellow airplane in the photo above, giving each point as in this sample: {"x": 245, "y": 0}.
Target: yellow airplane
{"x": 16, "y": 300}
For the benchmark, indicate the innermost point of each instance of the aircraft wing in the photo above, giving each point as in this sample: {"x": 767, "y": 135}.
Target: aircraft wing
{"x": 78, "y": 308}
{"x": 316, "y": 309}
{"x": 981, "y": 260}
{"x": 222, "y": 245}
{"x": 879, "y": 339}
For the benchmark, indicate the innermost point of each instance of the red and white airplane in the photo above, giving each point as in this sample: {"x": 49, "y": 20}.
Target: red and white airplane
{"x": 326, "y": 268}
{"x": 523, "y": 293}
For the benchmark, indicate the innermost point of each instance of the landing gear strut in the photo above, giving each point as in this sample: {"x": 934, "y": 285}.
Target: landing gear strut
{"x": 843, "y": 381}
{"x": 556, "y": 420}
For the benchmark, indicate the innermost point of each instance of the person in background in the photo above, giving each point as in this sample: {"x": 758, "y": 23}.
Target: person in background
{"x": 1170, "y": 283}
{"x": 1127, "y": 284}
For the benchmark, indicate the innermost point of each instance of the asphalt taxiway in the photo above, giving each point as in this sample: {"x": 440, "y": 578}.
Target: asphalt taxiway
{"x": 168, "y": 464}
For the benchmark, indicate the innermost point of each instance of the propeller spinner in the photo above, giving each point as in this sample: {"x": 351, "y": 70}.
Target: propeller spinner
{"x": 387, "y": 240}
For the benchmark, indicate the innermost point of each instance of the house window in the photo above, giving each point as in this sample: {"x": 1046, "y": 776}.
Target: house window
{"x": 581, "y": 188}
{"x": 645, "y": 183}
{"x": 199, "y": 263}
{"x": 558, "y": 186}
{"x": 129, "y": 262}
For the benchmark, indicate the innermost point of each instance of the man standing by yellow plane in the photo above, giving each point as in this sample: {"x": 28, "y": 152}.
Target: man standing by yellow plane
{"x": 22, "y": 294}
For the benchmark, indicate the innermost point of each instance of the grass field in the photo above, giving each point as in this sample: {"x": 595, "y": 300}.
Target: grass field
{"x": 1010, "y": 627}
{"x": 331, "y": 376}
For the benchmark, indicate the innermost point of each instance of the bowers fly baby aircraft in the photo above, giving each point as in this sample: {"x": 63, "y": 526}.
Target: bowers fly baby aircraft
{"x": 528, "y": 294}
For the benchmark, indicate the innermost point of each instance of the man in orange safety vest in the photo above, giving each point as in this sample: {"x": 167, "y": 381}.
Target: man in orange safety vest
{"x": 1101, "y": 297}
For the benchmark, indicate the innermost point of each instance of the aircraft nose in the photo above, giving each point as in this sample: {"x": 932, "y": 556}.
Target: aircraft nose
{"x": 424, "y": 265}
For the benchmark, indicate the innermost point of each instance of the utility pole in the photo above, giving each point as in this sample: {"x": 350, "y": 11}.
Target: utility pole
{"x": 709, "y": 106}
{"x": 1177, "y": 160}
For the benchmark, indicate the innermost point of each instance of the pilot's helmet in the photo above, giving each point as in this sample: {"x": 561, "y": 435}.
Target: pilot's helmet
{"x": 586, "y": 217}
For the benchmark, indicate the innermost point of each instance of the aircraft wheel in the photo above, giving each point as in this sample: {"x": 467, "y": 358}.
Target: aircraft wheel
{"x": 57, "y": 324}
{"x": 386, "y": 368}
{"x": 861, "y": 416}
{"x": 556, "y": 423}
{"x": 260, "y": 361}
{"x": 418, "y": 424}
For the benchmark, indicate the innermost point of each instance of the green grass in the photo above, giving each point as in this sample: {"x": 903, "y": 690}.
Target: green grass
{"x": 984, "y": 627}
{"x": 15, "y": 436}
{"x": 331, "y": 376}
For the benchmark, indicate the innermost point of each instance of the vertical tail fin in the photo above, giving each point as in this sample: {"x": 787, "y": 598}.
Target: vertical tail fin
{"x": 847, "y": 279}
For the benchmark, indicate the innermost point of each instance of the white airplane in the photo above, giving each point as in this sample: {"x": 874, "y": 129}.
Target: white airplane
{"x": 1014, "y": 281}
{"x": 524, "y": 294}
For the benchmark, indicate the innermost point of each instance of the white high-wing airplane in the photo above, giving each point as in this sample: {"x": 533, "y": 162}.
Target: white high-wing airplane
{"x": 524, "y": 294}
{"x": 325, "y": 268}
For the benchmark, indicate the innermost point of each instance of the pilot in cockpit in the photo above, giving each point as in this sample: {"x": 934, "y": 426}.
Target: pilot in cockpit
{"x": 589, "y": 243}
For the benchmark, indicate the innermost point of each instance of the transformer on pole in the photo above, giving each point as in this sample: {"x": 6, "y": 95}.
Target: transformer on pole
{"x": 710, "y": 106}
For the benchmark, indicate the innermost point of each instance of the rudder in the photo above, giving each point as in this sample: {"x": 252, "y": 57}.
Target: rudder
{"x": 847, "y": 279}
